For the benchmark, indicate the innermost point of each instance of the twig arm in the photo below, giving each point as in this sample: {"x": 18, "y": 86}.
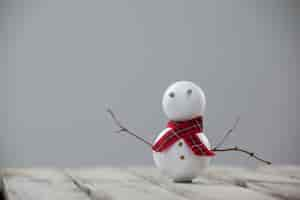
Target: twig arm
{"x": 228, "y": 132}
{"x": 123, "y": 129}
{"x": 251, "y": 154}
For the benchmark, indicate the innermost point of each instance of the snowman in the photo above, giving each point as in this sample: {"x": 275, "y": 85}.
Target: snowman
{"x": 182, "y": 151}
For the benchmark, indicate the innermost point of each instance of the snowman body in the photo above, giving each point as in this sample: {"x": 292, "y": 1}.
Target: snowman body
{"x": 182, "y": 101}
{"x": 179, "y": 162}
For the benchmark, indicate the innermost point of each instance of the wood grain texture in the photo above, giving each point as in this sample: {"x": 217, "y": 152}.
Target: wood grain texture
{"x": 266, "y": 183}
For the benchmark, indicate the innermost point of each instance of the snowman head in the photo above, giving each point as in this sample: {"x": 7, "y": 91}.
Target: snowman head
{"x": 183, "y": 100}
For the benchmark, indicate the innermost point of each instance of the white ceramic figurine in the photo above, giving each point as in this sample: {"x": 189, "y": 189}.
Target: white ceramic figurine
{"x": 182, "y": 150}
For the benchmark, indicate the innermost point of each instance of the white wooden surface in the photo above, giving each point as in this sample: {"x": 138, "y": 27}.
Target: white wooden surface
{"x": 271, "y": 182}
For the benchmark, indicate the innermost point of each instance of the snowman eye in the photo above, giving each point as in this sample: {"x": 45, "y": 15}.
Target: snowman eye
{"x": 189, "y": 91}
{"x": 172, "y": 94}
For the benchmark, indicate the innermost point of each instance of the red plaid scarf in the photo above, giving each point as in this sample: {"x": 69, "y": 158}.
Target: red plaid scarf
{"x": 186, "y": 130}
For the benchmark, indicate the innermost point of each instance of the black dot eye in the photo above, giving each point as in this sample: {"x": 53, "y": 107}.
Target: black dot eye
{"x": 189, "y": 91}
{"x": 172, "y": 94}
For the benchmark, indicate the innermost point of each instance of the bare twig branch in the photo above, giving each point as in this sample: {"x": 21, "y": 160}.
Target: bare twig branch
{"x": 227, "y": 134}
{"x": 123, "y": 129}
{"x": 251, "y": 154}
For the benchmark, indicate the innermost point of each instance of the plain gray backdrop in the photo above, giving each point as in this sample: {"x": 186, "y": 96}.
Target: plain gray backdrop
{"x": 65, "y": 62}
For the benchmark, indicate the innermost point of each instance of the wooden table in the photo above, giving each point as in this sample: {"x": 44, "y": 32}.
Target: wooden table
{"x": 270, "y": 182}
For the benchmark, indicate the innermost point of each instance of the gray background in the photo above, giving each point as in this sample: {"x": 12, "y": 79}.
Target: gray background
{"x": 64, "y": 62}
